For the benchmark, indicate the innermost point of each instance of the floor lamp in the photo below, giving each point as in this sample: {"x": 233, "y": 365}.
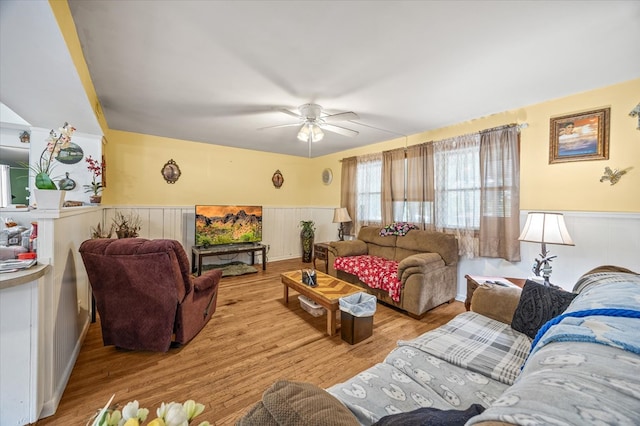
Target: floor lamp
{"x": 545, "y": 228}
{"x": 341, "y": 215}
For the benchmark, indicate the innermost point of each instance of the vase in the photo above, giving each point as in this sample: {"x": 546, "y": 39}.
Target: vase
{"x": 49, "y": 199}
{"x": 95, "y": 199}
{"x": 306, "y": 239}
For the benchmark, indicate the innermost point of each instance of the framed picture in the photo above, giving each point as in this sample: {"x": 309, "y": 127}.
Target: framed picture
{"x": 579, "y": 137}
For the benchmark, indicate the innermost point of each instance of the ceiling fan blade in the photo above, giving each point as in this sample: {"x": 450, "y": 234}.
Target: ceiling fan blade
{"x": 279, "y": 125}
{"x": 341, "y": 130}
{"x": 343, "y": 116}
{"x": 291, "y": 113}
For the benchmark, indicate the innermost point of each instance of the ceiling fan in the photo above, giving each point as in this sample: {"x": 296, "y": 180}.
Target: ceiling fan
{"x": 313, "y": 122}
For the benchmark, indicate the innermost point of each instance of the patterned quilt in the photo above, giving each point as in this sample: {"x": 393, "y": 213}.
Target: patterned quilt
{"x": 584, "y": 370}
{"x": 374, "y": 271}
{"x": 470, "y": 360}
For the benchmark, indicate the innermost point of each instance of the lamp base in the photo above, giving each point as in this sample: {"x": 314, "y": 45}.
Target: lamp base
{"x": 341, "y": 232}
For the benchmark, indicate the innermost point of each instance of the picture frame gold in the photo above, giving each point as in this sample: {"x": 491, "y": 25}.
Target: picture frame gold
{"x": 170, "y": 171}
{"x": 579, "y": 137}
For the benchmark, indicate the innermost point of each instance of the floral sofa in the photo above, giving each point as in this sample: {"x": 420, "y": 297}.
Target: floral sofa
{"x": 407, "y": 268}
{"x": 484, "y": 368}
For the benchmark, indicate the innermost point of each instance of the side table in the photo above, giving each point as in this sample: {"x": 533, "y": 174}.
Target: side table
{"x": 321, "y": 251}
{"x": 473, "y": 281}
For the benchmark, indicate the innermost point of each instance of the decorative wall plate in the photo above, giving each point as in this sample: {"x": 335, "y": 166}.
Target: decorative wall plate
{"x": 327, "y": 176}
{"x": 72, "y": 154}
{"x": 170, "y": 171}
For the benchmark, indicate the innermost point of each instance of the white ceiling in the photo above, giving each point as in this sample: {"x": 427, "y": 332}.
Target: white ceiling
{"x": 217, "y": 71}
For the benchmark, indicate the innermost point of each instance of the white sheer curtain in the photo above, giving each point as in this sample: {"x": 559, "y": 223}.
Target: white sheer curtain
{"x": 457, "y": 190}
{"x": 369, "y": 198}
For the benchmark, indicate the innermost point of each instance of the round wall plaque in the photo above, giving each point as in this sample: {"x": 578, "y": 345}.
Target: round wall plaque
{"x": 327, "y": 176}
{"x": 170, "y": 171}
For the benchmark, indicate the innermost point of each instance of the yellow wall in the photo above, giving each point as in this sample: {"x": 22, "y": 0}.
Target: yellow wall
{"x": 217, "y": 174}
{"x": 211, "y": 174}
{"x": 573, "y": 186}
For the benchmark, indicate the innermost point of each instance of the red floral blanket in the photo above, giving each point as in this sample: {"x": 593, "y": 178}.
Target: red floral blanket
{"x": 376, "y": 272}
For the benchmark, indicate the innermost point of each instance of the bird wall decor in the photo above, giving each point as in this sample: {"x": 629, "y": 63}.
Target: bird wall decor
{"x": 613, "y": 176}
{"x": 636, "y": 113}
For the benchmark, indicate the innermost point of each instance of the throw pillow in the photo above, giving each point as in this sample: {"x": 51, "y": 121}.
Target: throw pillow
{"x": 431, "y": 417}
{"x": 288, "y": 403}
{"x": 538, "y": 304}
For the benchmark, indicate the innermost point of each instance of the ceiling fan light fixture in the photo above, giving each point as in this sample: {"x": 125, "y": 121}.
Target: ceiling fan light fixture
{"x": 310, "y": 130}
{"x": 305, "y": 131}
{"x": 316, "y": 133}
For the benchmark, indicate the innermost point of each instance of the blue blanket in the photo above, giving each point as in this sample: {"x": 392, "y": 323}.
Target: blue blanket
{"x": 606, "y": 312}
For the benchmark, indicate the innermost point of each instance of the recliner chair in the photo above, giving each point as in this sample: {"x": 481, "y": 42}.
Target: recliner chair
{"x": 145, "y": 294}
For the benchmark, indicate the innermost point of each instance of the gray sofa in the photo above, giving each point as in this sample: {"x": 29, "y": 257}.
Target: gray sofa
{"x": 582, "y": 370}
{"x": 427, "y": 266}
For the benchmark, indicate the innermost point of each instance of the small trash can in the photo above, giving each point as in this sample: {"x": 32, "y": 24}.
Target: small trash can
{"x": 356, "y": 317}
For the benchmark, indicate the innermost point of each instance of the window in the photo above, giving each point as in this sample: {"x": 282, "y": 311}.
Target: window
{"x": 457, "y": 183}
{"x": 467, "y": 186}
{"x": 369, "y": 190}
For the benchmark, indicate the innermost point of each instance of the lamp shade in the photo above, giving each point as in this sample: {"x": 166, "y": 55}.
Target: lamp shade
{"x": 548, "y": 228}
{"x": 341, "y": 215}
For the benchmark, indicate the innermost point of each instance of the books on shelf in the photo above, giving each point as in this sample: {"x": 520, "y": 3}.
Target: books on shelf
{"x": 502, "y": 281}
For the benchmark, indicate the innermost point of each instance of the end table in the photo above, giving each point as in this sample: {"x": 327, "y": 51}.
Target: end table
{"x": 321, "y": 251}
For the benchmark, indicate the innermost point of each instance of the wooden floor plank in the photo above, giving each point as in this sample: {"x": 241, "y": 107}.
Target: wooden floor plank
{"x": 252, "y": 340}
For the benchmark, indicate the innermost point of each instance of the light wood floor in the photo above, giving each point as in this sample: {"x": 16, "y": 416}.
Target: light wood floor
{"x": 252, "y": 340}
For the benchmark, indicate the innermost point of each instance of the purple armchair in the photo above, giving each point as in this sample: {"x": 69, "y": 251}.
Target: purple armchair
{"x": 145, "y": 294}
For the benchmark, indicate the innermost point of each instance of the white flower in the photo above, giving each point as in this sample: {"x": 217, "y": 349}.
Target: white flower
{"x": 173, "y": 414}
{"x": 192, "y": 409}
{"x": 133, "y": 411}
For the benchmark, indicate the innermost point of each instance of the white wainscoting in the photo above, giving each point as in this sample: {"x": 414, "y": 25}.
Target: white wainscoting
{"x": 601, "y": 238}
{"x": 280, "y": 228}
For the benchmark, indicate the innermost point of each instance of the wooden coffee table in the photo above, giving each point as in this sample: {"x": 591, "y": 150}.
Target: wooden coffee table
{"x": 327, "y": 293}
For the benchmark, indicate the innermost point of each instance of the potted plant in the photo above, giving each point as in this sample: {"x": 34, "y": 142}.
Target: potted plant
{"x": 44, "y": 167}
{"x": 99, "y": 232}
{"x": 127, "y": 225}
{"x": 306, "y": 238}
{"x": 95, "y": 167}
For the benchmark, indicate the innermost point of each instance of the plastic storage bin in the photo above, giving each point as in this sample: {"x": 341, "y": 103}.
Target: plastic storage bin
{"x": 310, "y": 306}
{"x": 356, "y": 317}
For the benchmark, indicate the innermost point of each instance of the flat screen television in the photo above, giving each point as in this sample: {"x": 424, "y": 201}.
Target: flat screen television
{"x": 218, "y": 224}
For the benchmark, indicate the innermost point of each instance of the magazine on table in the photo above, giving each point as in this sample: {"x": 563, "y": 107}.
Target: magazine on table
{"x": 493, "y": 280}
{"x": 13, "y": 265}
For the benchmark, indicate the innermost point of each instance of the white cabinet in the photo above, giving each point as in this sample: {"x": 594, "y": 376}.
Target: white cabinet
{"x": 21, "y": 337}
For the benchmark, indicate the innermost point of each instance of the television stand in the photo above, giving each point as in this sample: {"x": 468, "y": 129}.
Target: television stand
{"x": 252, "y": 248}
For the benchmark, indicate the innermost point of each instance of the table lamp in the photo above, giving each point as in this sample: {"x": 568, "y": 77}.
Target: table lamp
{"x": 341, "y": 215}
{"x": 545, "y": 228}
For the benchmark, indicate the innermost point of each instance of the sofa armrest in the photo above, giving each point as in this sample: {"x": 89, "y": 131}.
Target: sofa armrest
{"x": 420, "y": 263}
{"x": 348, "y": 248}
{"x": 206, "y": 281}
{"x": 344, "y": 249}
{"x": 496, "y": 302}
